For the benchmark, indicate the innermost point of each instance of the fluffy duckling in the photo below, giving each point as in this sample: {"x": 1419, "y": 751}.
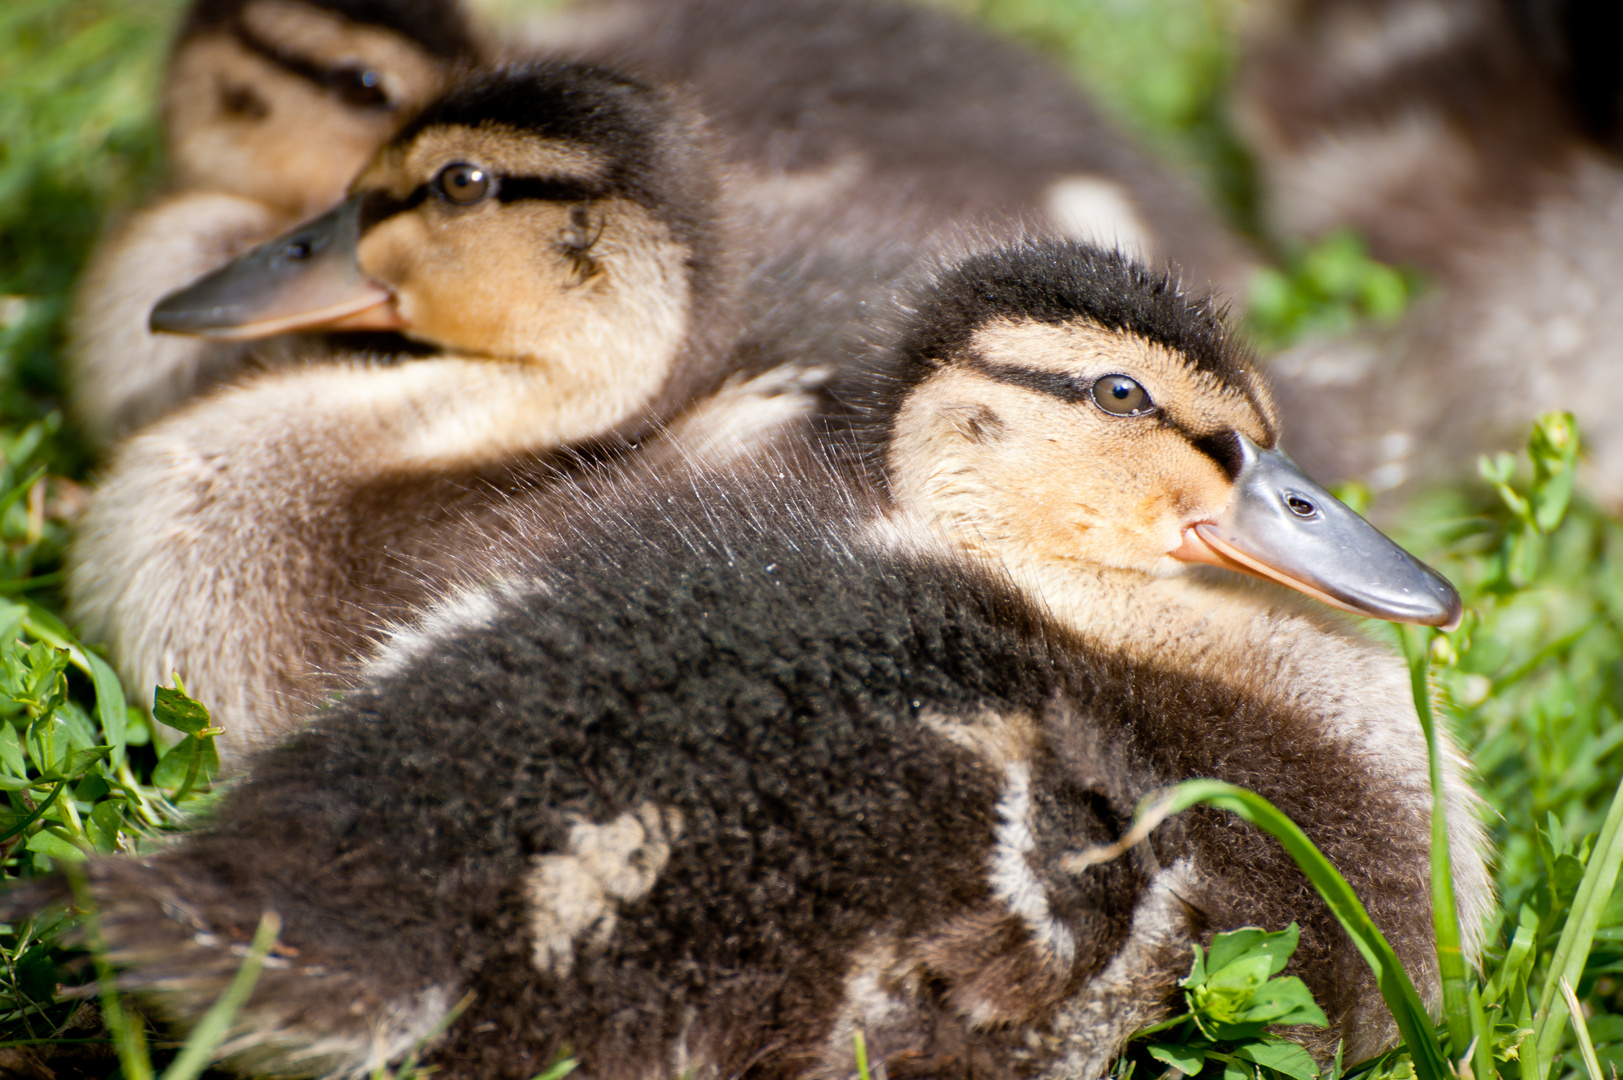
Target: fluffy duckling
{"x": 270, "y": 107}
{"x": 555, "y": 230}
{"x": 1477, "y": 140}
{"x": 825, "y": 102}
{"x": 719, "y": 780}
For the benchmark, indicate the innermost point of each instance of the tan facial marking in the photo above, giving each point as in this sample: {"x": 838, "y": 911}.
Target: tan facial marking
{"x": 1066, "y": 480}
{"x": 596, "y": 293}
{"x": 238, "y": 122}
{"x": 1197, "y": 399}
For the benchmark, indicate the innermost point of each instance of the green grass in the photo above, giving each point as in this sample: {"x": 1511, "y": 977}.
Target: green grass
{"x": 1530, "y": 683}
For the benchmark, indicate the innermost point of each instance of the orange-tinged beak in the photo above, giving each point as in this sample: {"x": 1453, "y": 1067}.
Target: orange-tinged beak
{"x": 1281, "y": 526}
{"x": 306, "y": 279}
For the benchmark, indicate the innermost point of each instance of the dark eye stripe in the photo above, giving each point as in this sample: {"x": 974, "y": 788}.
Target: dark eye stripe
{"x": 546, "y": 188}
{"x": 1063, "y": 387}
{"x": 379, "y": 206}
{"x": 332, "y": 80}
{"x": 1223, "y": 448}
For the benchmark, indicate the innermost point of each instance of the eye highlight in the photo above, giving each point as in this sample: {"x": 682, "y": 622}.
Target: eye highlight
{"x": 1120, "y": 396}
{"x": 463, "y": 184}
{"x": 361, "y": 88}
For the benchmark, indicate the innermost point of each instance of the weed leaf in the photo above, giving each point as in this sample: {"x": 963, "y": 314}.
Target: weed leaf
{"x": 48, "y": 843}
{"x": 1188, "y": 1060}
{"x": 173, "y": 707}
{"x": 1282, "y": 1056}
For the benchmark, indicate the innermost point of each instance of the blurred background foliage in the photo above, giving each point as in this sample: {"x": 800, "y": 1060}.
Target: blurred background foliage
{"x": 1531, "y": 681}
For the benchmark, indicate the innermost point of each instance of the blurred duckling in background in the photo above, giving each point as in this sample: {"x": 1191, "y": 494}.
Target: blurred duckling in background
{"x": 711, "y": 782}
{"x": 557, "y": 231}
{"x": 270, "y": 107}
{"x": 1478, "y": 140}
{"x": 828, "y": 102}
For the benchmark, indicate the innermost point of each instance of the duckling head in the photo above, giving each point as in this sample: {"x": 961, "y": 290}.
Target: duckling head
{"x": 1058, "y": 403}
{"x": 558, "y": 215}
{"x": 283, "y": 101}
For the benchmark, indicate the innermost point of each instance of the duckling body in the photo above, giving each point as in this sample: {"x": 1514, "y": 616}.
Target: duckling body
{"x": 270, "y": 107}
{"x": 1475, "y": 140}
{"x": 705, "y": 786}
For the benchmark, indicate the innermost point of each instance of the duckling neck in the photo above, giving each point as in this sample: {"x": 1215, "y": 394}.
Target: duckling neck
{"x": 1220, "y": 626}
{"x": 1277, "y": 648}
{"x": 1286, "y": 650}
{"x": 453, "y": 410}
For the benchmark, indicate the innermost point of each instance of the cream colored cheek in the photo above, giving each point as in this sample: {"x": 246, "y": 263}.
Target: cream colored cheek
{"x": 1199, "y": 501}
{"x": 1145, "y": 529}
{"x": 392, "y": 252}
{"x": 1146, "y": 540}
{"x": 1167, "y": 535}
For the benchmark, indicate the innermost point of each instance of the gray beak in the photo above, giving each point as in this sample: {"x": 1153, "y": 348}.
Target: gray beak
{"x": 1282, "y": 526}
{"x": 306, "y": 279}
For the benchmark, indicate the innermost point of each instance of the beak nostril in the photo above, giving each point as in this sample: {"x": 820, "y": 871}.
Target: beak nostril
{"x": 1300, "y": 506}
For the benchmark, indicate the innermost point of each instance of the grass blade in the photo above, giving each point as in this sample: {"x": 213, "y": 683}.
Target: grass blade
{"x": 211, "y": 1030}
{"x": 1580, "y": 1028}
{"x": 1481, "y": 1063}
{"x": 408, "y": 1068}
{"x": 558, "y": 1070}
{"x": 133, "y": 1060}
{"x": 1396, "y": 988}
{"x": 1445, "y": 914}
{"x": 1572, "y": 950}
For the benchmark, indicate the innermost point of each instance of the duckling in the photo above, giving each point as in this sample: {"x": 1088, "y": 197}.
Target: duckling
{"x": 557, "y": 231}
{"x": 1477, "y": 140}
{"x": 704, "y": 785}
{"x": 830, "y": 101}
{"x": 270, "y": 107}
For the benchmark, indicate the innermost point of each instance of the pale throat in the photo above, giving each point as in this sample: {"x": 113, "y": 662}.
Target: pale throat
{"x": 1213, "y": 622}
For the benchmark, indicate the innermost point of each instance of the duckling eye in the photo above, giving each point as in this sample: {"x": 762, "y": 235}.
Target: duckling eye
{"x": 1120, "y": 396}
{"x": 462, "y": 183}
{"x": 361, "y": 87}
